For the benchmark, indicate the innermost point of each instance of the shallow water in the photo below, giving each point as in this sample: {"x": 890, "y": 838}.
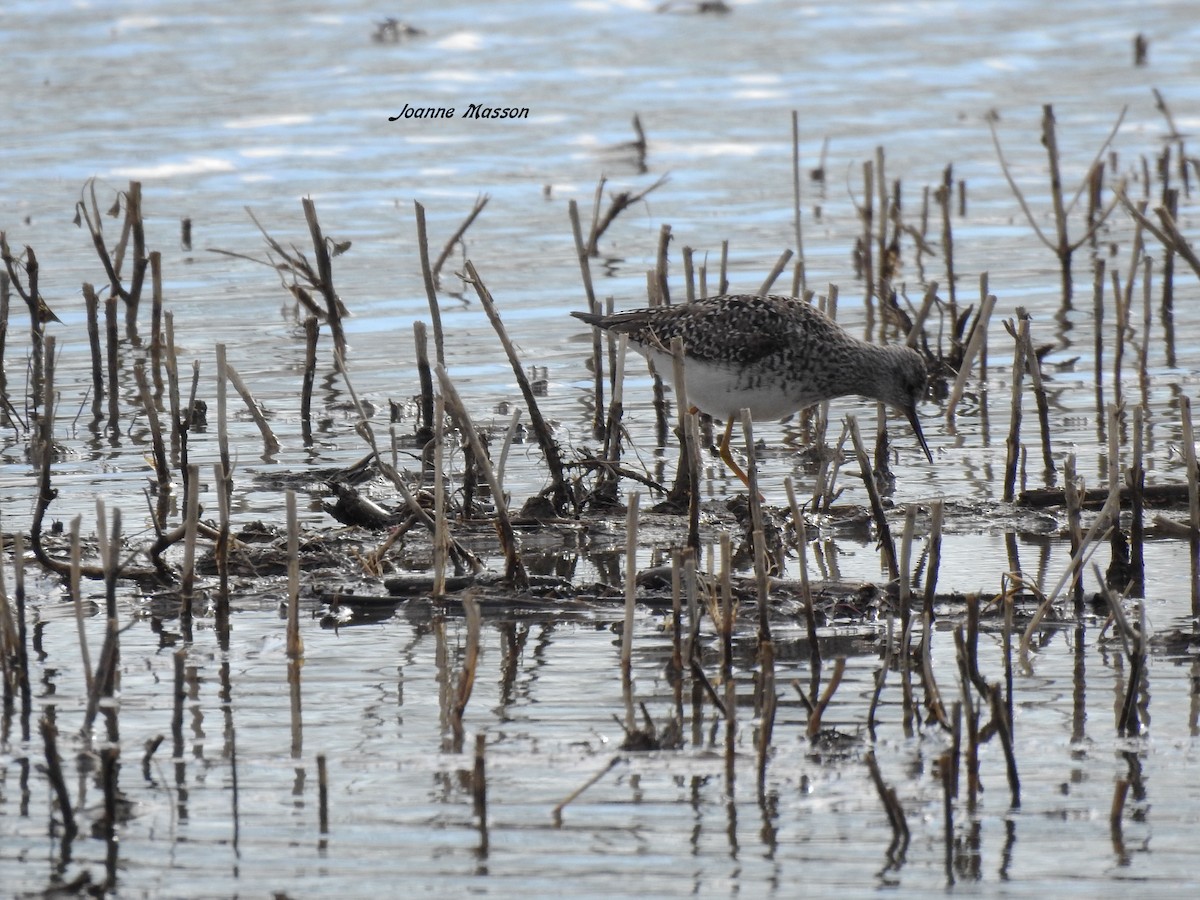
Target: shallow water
{"x": 221, "y": 107}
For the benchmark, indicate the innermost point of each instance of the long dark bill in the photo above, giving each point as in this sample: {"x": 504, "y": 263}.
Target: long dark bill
{"x": 915, "y": 422}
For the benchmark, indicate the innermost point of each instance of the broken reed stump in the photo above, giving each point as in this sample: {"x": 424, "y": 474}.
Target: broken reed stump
{"x": 1013, "y": 443}
{"x": 312, "y": 331}
{"x": 270, "y": 442}
{"x": 776, "y": 271}
{"x": 223, "y": 415}
{"x": 92, "y": 308}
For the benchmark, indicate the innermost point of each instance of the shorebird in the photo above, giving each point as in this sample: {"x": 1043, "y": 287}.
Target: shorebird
{"x": 769, "y": 354}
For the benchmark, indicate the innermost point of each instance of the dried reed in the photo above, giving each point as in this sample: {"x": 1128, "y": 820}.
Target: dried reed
{"x": 295, "y": 641}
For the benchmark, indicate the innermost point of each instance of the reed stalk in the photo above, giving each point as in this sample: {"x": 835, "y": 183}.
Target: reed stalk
{"x": 943, "y": 196}
{"x": 887, "y": 546}
{"x": 92, "y": 307}
{"x": 796, "y": 197}
{"x": 295, "y": 641}
{"x": 190, "y": 524}
{"x": 312, "y": 331}
{"x": 776, "y": 271}
{"x": 1014, "y": 429}
{"x": 158, "y": 450}
{"x": 221, "y": 556}
{"x": 270, "y": 442}
{"x": 1193, "y": 477}
{"x": 514, "y": 571}
{"x": 441, "y": 529}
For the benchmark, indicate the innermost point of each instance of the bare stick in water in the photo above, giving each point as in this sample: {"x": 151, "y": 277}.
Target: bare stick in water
{"x": 270, "y": 442}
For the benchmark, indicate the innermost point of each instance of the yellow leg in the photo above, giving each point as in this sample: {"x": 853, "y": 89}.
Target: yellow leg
{"x": 727, "y": 457}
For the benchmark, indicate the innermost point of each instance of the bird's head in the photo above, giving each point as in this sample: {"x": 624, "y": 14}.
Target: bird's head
{"x": 907, "y": 389}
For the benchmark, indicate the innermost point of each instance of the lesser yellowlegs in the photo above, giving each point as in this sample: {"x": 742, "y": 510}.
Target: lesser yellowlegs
{"x": 772, "y": 355}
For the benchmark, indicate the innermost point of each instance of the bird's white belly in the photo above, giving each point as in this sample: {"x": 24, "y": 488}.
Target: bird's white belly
{"x": 723, "y": 391}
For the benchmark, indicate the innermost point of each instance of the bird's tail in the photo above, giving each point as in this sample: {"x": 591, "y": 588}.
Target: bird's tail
{"x": 597, "y": 319}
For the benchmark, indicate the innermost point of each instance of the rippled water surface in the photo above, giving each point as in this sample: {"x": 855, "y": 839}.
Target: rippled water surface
{"x": 219, "y": 107}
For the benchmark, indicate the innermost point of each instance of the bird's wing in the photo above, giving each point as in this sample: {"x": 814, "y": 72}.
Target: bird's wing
{"x": 756, "y": 331}
{"x": 712, "y": 329}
